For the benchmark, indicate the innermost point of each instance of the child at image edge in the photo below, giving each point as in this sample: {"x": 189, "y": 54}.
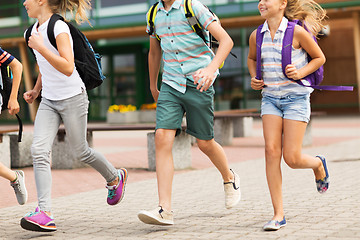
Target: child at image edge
{"x": 190, "y": 69}
{"x": 64, "y": 99}
{"x": 285, "y": 107}
{"x": 16, "y": 178}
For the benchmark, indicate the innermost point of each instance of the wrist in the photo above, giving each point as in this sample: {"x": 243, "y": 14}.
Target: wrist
{"x": 13, "y": 98}
{"x": 153, "y": 89}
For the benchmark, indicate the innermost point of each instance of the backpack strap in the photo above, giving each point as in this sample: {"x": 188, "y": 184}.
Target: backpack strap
{"x": 287, "y": 46}
{"x": 193, "y": 21}
{"x": 259, "y": 40}
{"x": 20, "y": 127}
{"x": 50, "y": 29}
{"x": 151, "y": 19}
{"x": 27, "y": 36}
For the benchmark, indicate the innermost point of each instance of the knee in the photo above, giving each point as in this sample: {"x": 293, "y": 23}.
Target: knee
{"x": 291, "y": 159}
{"x": 83, "y": 155}
{"x": 272, "y": 152}
{"x": 205, "y": 145}
{"x": 40, "y": 154}
{"x": 164, "y": 139}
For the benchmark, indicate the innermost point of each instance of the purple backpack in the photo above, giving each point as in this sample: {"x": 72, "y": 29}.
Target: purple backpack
{"x": 314, "y": 78}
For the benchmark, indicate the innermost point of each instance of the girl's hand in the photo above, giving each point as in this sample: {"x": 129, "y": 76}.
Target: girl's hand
{"x": 30, "y": 96}
{"x": 205, "y": 76}
{"x": 13, "y": 106}
{"x": 292, "y": 72}
{"x": 257, "y": 84}
{"x": 36, "y": 41}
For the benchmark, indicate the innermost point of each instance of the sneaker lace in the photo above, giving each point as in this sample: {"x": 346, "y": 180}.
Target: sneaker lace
{"x": 111, "y": 193}
{"x": 30, "y": 214}
{"x": 16, "y": 186}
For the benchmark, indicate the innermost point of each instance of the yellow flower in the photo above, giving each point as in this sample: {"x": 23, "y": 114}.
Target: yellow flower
{"x": 148, "y": 106}
{"x": 121, "y": 108}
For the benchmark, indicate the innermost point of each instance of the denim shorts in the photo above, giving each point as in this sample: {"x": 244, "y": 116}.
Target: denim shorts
{"x": 293, "y": 107}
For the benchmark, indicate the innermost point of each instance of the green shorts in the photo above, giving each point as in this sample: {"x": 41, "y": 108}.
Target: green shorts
{"x": 199, "y": 108}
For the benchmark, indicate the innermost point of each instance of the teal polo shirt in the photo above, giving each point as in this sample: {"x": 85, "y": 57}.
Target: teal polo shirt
{"x": 184, "y": 52}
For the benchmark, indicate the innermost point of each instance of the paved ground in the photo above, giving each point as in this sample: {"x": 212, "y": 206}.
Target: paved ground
{"x": 81, "y": 211}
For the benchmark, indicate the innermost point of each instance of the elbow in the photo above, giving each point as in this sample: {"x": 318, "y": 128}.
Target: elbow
{"x": 324, "y": 60}
{"x": 19, "y": 67}
{"x": 69, "y": 71}
{"x": 68, "y": 74}
{"x": 231, "y": 43}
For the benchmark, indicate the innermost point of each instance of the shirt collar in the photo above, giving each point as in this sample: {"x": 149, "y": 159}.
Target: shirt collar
{"x": 176, "y": 5}
{"x": 282, "y": 27}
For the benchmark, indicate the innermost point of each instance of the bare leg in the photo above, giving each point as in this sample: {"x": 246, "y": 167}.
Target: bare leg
{"x": 164, "y": 139}
{"x": 272, "y": 129}
{"x": 7, "y": 173}
{"x": 217, "y": 156}
{"x": 293, "y": 137}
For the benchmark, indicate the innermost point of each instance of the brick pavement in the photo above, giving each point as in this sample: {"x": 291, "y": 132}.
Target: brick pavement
{"x": 199, "y": 207}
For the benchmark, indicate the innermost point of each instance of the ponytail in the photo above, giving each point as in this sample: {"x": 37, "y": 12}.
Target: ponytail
{"x": 79, "y": 6}
{"x": 308, "y": 11}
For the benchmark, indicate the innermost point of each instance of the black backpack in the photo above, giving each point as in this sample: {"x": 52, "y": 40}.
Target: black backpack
{"x": 5, "y": 91}
{"x": 87, "y": 62}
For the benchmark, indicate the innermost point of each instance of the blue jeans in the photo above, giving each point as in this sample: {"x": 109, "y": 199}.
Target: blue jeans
{"x": 293, "y": 107}
{"x": 73, "y": 113}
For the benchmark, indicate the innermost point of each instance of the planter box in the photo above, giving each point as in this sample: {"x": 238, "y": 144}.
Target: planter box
{"x": 147, "y": 116}
{"x": 126, "y": 117}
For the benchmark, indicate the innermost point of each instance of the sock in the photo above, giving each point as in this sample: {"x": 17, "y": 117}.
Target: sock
{"x": 15, "y": 178}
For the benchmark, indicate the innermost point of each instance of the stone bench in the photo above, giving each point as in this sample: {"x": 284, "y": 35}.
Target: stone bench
{"x": 233, "y": 123}
{"x": 5, "y": 144}
{"x": 237, "y": 123}
{"x": 20, "y": 152}
{"x": 181, "y": 151}
{"x": 62, "y": 158}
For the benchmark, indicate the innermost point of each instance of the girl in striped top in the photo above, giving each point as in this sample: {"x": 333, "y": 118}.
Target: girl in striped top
{"x": 285, "y": 108}
{"x": 16, "y": 178}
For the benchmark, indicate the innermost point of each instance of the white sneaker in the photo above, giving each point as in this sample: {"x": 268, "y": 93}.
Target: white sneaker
{"x": 19, "y": 187}
{"x": 158, "y": 216}
{"x": 232, "y": 191}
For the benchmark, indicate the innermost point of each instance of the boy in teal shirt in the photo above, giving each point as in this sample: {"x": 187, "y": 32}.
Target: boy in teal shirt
{"x": 190, "y": 69}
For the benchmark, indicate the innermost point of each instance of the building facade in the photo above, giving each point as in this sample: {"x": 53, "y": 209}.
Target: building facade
{"x": 118, "y": 34}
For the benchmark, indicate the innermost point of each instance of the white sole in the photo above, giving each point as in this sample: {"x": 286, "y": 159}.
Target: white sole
{"x": 145, "y": 217}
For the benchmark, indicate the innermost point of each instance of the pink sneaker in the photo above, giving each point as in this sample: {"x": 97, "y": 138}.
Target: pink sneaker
{"x": 38, "y": 221}
{"x": 116, "y": 192}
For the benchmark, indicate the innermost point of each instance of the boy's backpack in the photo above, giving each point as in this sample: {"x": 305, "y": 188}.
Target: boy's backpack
{"x": 193, "y": 21}
{"x": 87, "y": 62}
{"x": 5, "y": 92}
{"x": 314, "y": 78}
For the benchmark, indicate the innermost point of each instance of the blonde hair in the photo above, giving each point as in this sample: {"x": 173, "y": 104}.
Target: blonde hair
{"x": 308, "y": 11}
{"x": 79, "y": 6}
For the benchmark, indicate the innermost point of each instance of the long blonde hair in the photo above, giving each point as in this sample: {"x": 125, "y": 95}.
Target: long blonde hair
{"x": 79, "y": 6}
{"x": 308, "y": 11}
